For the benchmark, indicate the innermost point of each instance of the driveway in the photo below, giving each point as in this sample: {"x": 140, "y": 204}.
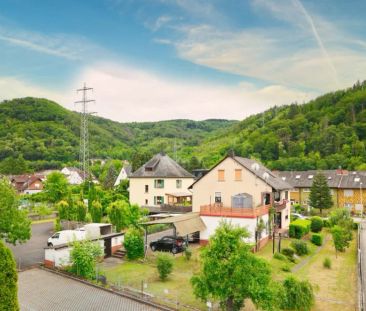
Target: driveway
{"x": 43, "y": 290}
{"x": 32, "y": 252}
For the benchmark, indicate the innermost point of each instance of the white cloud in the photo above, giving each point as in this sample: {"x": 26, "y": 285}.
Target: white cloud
{"x": 128, "y": 94}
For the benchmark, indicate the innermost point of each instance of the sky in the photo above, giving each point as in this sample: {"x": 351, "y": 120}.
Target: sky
{"x": 150, "y": 60}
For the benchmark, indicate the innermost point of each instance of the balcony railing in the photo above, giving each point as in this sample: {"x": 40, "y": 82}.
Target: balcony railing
{"x": 279, "y": 206}
{"x": 240, "y": 212}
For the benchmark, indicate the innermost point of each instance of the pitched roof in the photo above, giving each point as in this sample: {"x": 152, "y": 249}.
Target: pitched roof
{"x": 335, "y": 178}
{"x": 161, "y": 165}
{"x": 258, "y": 170}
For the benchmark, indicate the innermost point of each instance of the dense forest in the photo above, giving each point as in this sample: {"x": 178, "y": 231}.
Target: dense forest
{"x": 328, "y": 132}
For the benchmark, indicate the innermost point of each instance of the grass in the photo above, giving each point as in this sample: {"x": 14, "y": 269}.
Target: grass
{"x": 131, "y": 274}
{"x": 336, "y": 288}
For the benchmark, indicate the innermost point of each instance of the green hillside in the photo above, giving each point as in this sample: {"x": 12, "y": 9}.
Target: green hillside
{"x": 327, "y": 132}
{"x": 40, "y": 134}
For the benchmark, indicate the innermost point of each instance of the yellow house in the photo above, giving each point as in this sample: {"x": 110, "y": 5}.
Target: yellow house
{"x": 346, "y": 186}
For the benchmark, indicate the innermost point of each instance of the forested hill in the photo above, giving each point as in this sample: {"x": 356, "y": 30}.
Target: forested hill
{"x": 39, "y": 134}
{"x": 327, "y": 132}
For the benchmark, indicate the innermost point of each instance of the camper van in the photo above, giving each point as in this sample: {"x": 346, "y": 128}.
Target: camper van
{"x": 65, "y": 236}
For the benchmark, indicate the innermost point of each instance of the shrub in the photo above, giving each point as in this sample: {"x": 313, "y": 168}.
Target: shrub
{"x": 326, "y": 223}
{"x": 188, "y": 253}
{"x": 299, "y": 228}
{"x": 288, "y": 252}
{"x": 84, "y": 256}
{"x": 164, "y": 264}
{"x": 81, "y": 211}
{"x": 327, "y": 263}
{"x": 134, "y": 244}
{"x": 298, "y": 295}
{"x": 317, "y": 239}
{"x": 57, "y": 225}
{"x": 316, "y": 224}
{"x": 300, "y": 247}
{"x": 286, "y": 268}
{"x": 8, "y": 277}
{"x": 279, "y": 256}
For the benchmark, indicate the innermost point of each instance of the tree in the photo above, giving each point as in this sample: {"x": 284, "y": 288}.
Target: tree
{"x": 297, "y": 295}
{"x": 8, "y": 277}
{"x": 96, "y": 212}
{"x": 230, "y": 273}
{"x": 84, "y": 256}
{"x": 340, "y": 238}
{"x": 111, "y": 177}
{"x": 134, "y": 243}
{"x": 63, "y": 210}
{"x": 56, "y": 187}
{"x": 122, "y": 215}
{"x": 81, "y": 211}
{"x": 14, "y": 223}
{"x": 320, "y": 196}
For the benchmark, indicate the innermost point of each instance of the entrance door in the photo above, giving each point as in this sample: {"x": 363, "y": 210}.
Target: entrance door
{"x": 107, "y": 248}
{"x": 278, "y": 220}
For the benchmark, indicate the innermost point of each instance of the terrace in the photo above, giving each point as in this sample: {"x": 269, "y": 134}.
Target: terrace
{"x": 239, "y": 212}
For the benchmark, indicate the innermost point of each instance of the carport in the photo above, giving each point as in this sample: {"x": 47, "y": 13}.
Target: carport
{"x": 182, "y": 225}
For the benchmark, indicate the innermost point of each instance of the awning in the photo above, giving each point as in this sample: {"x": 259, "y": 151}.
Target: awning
{"x": 184, "y": 224}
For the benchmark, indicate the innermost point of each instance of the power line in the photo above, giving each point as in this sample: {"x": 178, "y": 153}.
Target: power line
{"x": 84, "y": 131}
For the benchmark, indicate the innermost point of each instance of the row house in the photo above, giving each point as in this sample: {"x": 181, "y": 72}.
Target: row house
{"x": 347, "y": 187}
{"x": 28, "y": 184}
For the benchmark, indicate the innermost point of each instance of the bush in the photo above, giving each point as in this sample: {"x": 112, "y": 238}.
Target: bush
{"x": 134, "y": 244}
{"x": 299, "y": 228}
{"x": 300, "y": 247}
{"x": 286, "y": 268}
{"x": 288, "y": 252}
{"x": 326, "y": 223}
{"x": 298, "y": 295}
{"x": 327, "y": 263}
{"x": 316, "y": 224}
{"x": 164, "y": 264}
{"x": 8, "y": 277}
{"x": 317, "y": 239}
{"x": 57, "y": 225}
{"x": 279, "y": 256}
{"x": 188, "y": 253}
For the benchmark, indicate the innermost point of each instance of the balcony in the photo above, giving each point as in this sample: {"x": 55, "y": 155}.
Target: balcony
{"x": 280, "y": 205}
{"x": 236, "y": 212}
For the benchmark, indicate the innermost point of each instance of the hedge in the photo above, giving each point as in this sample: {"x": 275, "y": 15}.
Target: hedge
{"x": 317, "y": 239}
{"x": 299, "y": 228}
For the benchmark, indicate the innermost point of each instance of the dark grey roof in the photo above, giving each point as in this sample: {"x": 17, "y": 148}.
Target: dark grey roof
{"x": 128, "y": 169}
{"x": 161, "y": 165}
{"x": 263, "y": 173}
{"x": 336, "y": 178}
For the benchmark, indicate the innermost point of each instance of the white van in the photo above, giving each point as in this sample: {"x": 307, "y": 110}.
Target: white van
{"x": 65, "y": 236}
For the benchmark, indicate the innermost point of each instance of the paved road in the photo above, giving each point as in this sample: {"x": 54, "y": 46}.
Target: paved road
{"x": 362, "y": 247}
{"x": 32, "y": 252}
{"x": 43, "y": 290}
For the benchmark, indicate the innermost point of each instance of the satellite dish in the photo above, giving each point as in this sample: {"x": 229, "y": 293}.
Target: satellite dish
{"x": 255, "y": 167}
{"x": 265, "y": 175}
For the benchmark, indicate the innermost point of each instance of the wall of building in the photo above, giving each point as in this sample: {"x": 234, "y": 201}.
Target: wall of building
{"x": 139, "y": 196}
{"x": 249, "y": 223}
{"x": 204, "y": 190}
{"x": 351, "y": 197}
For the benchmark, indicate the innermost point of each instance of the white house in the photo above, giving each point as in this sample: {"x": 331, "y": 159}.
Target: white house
{"x": 124, "y": 173}
{"x": 241, "y": 191}
{"x": 74, "y": 175}
{"x": 160, "y": 181}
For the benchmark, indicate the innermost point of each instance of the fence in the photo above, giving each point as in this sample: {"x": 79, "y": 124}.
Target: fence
{"x": 361, "y": 285}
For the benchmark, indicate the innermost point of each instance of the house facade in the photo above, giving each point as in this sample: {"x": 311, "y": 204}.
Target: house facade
{"x": 124, "y": 173}
{"x": 28, "y": 184}
{"x": 347, "y": 188}
{"x": 73, "y": 175}
{"x": 160, "y": 181}
{"x": 241, "y": 191}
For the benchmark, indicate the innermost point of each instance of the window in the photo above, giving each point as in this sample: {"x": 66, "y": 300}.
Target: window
{"x": 348, "y": 193}
{"x": 306, "y": 190}
{"x": 178, "y": 183}
{"x": 36, "y": 185}
{"x": 146, "y": 201}
{"x": 158, "y": 200}
{"x": 357, "y": 179}
{"x": 56, "y": 235}
{"x": 146, "y": 188}
{"x": 298, "y": 176}
{"x": 217, "y": 197}
{"x": 238, "y": 175}
{"x": 348, "y": 205}
{"x": 159, "y": 183}
{"x": 221, "y": 175}
{"x": 310, "y": 176}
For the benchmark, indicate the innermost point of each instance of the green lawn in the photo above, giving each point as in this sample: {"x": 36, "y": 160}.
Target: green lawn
{"x": 335, "y": 288}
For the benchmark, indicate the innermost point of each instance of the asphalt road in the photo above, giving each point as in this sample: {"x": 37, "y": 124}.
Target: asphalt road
{"x": 32, "y": 252}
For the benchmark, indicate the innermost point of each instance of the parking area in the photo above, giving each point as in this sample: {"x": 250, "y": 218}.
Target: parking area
{"x": 32, "y": 252}
{"x": 43, "y": 290}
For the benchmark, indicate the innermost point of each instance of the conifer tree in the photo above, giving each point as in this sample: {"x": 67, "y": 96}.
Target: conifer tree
{"x": 320, "y": 196}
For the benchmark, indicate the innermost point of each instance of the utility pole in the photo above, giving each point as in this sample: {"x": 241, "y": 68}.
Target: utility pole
{"x": 84, "y": 131}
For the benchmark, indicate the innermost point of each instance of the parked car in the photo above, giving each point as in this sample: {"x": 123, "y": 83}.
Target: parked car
{"x": 169, "y": 243}
{"x": 295, "y": 216}
{"x": 65, "y": 236}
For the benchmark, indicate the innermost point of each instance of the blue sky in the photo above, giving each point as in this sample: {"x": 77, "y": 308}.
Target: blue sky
{"x": 167, "y": 59}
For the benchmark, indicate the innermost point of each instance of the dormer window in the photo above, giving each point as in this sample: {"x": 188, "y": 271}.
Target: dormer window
{"x": 310, "y": 176}
{"x": 298, "y": 176}
{"x": 357, "y": 179}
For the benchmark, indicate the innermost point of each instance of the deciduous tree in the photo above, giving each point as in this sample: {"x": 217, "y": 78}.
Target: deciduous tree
{"x": 56, "y": 187}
